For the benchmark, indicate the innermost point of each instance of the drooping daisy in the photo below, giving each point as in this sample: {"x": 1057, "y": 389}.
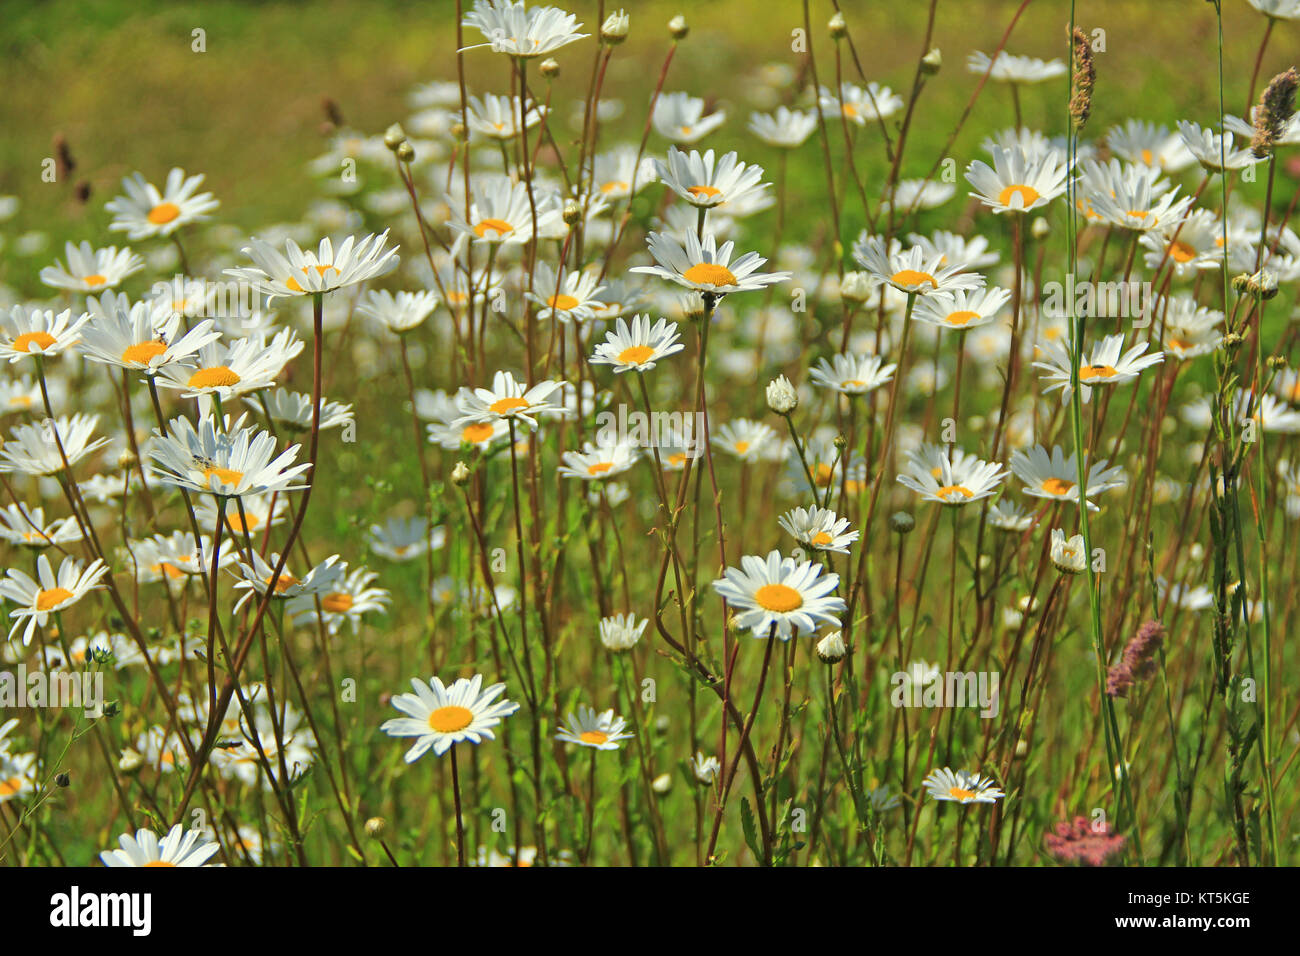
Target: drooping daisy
{"x": 91, "y": 270}
{"x": 600, "y": 731}
{"x": 597, "y": 462}
{"x": 439, "y": 717}
{"x": 704, "y": 183}
{"x": 781, "y": 596}
{"x": 621, "y": 632}
{"x": 962, "y": 786}
{"x": 571, "y": 297}
{"x": 852, "y": 374}
{"x": 962, "y": 310}
{"x": 513, "y": 29}
{"x": 139, "y": 337}
{"x": 961, "y": 479}
{"x": 1104, "y": 366}
{"x": 146, "y": 211}
{"x": 507, "y": 399}
{"x": 1008, "y": 68}
{"x": 32, "y": 332}
{"x": 1018, "y": 181}
{"x": 680, "y": 117}
{"x": 300, "y": 272}
{"x": 911, "y": 271}
{"x": 705, "y": 267}
{"x": 784, "y": 129}
{"x": 859, "y": 105}
{"x": 399, "y": 312}
{"x": 48, "y": 593}
{"x": 638, "y": 346}
{"x": 819, "y": 528}
{"x": 180, "y": 847}
{"x": 1054, "y": 475}
{"x": 1069, "y": 555}
{"x": 227, "y": 464}
{"x": 1215, "y": 152}
{"x": 34, "y": 449}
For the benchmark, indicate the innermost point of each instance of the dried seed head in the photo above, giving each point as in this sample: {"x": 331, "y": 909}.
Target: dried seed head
{"x": 1276, "y": 104}
{"x": 1085, "y": 76}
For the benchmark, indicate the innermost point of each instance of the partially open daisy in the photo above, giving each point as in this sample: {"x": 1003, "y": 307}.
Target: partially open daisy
{"x": 1018, "y": 181}
{"x": 638, "y": 346}
{"x": 571, "y": 297}
{"x": 91, "y": 270}
{"x": 507, "y": 399}
{"x": 513, "y": 29}
{"x": 1054, "y": 475}
{"x": 28, "y": 528}
{"x": 140, "y": 337}
{"x": 704, "y": 183}
{"x": 227, "y": 464}
{"x": 784, "y": 129}
{"x": 680, "y": 117}
{"x": 819, "y": 528}
{"x": 912, "y": 271}
{"x": 621, "y": 632}
{"x": 961, "y": 786}
{"x": 600, "y": 731}
{"x": 961, "y": 311}
{"x": 780, "y": 596}
{"x": 600, "y": 461}
{"x": 398, "y": 312}
{"x": 34, "y": 449}
{"x": 961, "y": 478}
{"x": 1069, "y": 555}
{"x": 147, "y": 211}
{"x": 49, "y": 593}
{"x": 180, "y": 847}
{"x": 859, "y": 105}
{"x": 440, "y": 716}
{"x": 852, "y": 374}
{"x": 1215, "y": 152}
{"x": 31, "y": 332}
{"x": 705, "y": 267}
{"x": 1008, "y": 68}
{"x": 1105, "y": 365}
{"x": 299, "y": 272}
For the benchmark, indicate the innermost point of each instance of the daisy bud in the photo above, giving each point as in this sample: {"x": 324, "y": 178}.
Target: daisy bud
{"x": 375, "y": 827}
{"x": 125, "y": 460}
{"x": 130, "y": 762}
{"x": 901, "y": 522}
{"x": 781, "y": 396}
{"x": 1022, "y": 747}
{"x": 840, "y": 443}
{"x": 1069, "y": 556}
{"x": 693, "y": 307}
{"x": 1040, "y": 228}
{"x": 831, "y": 648}
{"x": 837, "y": 26}
{"x": 549, "y": 68}
{"x": 706, "y": 769}
{"x": 572, "y": 213}
{"x": 662, "y": 783}
{"x": 1232, "y": 340}
{"x": 405, "y": 152}
{"x": 460, "y": 474}
{"x": 458, "y": 131}
{"x": 1240, "y": 283}
{"x": 932, "y": 62}
{"x": 1277, "y": 361}
{"x": 855, "y": 287}
{"x": 614, "y": 30}
{"x": 394, "y": 136}
{"x": 112, "y": 708}
{"x": 678, "y": 28}
{"x": 63, "y": 780}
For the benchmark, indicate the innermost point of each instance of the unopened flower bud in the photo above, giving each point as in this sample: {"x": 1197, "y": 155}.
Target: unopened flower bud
{"x": 901, "y": 522}
{"x": 460, "y": 474}
{"x": 781, "y": 396}
{"x": 63, "y": 779}
{"x": 837, "y": 26}
{"x": 662, "y": 783}
{"x": 1277, "y": 361}
{"x": 130, "y": 762}
{"x": 1040, "y": 228}
{"x": 394, "y": 136}
{"x": 458, "y": 130}
{"x": 932, "y": 62}
{"x": 614, "y": 30}
{"x": 405, "y": 152}
{"x": 831, "y": 648}
{"x": 678, "y": 28}
{"x": 375, "y": 827}
{"x": 549, "y": 68}
{"x": 572, "y": 213}
{"x": 855, "y": 287}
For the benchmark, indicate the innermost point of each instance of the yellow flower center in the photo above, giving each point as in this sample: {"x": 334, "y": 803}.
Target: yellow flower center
{"x": 635, "y": 355}
{"x": 849, "y": 110}
{"x": 337, "y": 603}
{"x": 477, "y": 433}
{"x": 159, "y": 863}
{"x": 957, "y": 793}
{"x": 709, "y": 273}
{"x": 285, "y": 582}
{"x": 247, "y": 523}
{"x": 11, "y": 786}
{"x": 292, "y": 283}
{"x": 226, "y": 476}
{"x": 1178, "y": 345}
{"x": 144, "y": 352}
{"x": 1147, "y": 157}
{"x": 707, "y": 191}
{"x": 24, "y": 342}
{"x": 962, "y": 317}
{"x": 169, "y": 570}
{"x": 742, "y": 447}
{"x": 94, "y": 281}
{"x": 1057, "y": 486}
{"x": 949, "y": 490}
{"x": 1180, "y": 251}
{"x": 504, "y": 406}
{"x": 614, "y": 186}
{"x": 677, "y": 459}
{"x": 599, "y": 468}
{"x": 163, "y": 213}
{"x": 821, "y": 539}
{"x": 51, "y": 598}
{"x": 1089, "y": 372}
{"x": 215, "y": 377}
{"x": 594, "y": 737}
{"x": 498, "y": 226}
{"x": 563, "y": 302}
{"x": 911, "y": 277}
{"x": 780, "y": 598}
{"x": 823, "y": 475}
{"x": 449, "y": 719}
{"x": 1028, "y": 196}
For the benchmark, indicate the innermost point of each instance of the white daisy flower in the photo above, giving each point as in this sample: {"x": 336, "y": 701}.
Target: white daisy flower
{"x": 819, "y": 528}
{"x": 601, "y": 731}
{"x": 512, "y": 29}
{"x": 1054, "y": 475}
{"x": 1007, "y": 68}
{"x": 440, "y": 717}
{"x": 705, "y": 267}
{"x": 27, "y": 527}
{"x": 680, "y": 118}
{"x": 507, "y": 399}
{"x": 401, "y": 539}
{"x": 140, "y": 337}
{"x": 90, "y": 269}
{"x": 1188, "y": 245}
{"x": 48, "y": 593}
{"x": 30, "y": 332}
{"x": 615, "y": 174}
{"x": 497, "y": 117}
{"x": 1069, "y": 555}
{"x": 1214, "y": 152}
{"x": 784, "y": 129}
{"x": 258, "y": 511}
{"x": 780, "y": 593}
{"x": 1006, "y": 515}
{"x": 34, "y": 449}
{"x": 962, "y": 310}
{"x": 621, "y": 632}
{"x": 961, "y": 787}
{"x": 704, "y": 183}
{"x": 1104, "y": 366}
{"x": 852, "y": 374}
{"x": 911, "y": 271}
{"x": 501, "y": 213}
{"x": 300, "y": 272}
{"x": 706, "y": 769}
{"x": 1138, "y": 141}
{"x": 227, "y": 464}
{"x": 255, "y": 579}
{"x": 401, "y": 312}
{"x": 180, "y": 847}
{"x": 234, "y": 368}
{"x": 639, "y": 346}
{"x": 600, "y": 461}
{"x": 961, "y": 478}
{"x": 566, "y": 298}
{"x": 746, "y": 439}
{"x": 347, "y": 600}
{"x": 859, "y": 105}
{"x": 1018, "y": 181}
{"x": 146, "y": 211}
